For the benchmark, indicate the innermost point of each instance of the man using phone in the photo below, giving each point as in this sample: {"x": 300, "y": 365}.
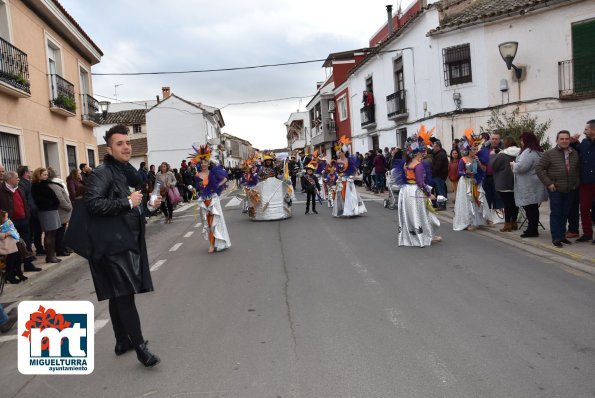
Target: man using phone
{"x": 119, "y": 262}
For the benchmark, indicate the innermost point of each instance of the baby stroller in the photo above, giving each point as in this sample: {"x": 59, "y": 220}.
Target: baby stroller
{"x": 393, "y": 191}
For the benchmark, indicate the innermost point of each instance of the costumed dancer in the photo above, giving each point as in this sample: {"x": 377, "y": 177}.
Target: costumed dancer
{"x": 248, "y": 181}
{"x": 319, "y": 173}
{"x": 417, "y": 218}
{"x": 210, "y": 182}
{"x": 347, "y": 203}
{"x": 471, "y": 205}
{"x": 330, "y": 183}
{"x": 311, "y": 185}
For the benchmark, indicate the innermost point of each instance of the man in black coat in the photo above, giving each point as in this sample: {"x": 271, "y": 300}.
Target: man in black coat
{"x": 311, "y": 186}
{"x": 119, "y": 261}
{"x": 439, "y": 171}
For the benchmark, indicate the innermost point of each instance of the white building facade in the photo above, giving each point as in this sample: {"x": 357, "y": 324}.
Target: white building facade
{"x": 297, "y": 127}
{"x": 444, "y": 69}
{"x": 175, "y": 124}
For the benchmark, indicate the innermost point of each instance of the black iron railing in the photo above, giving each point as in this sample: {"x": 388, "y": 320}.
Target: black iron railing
{"x": 396, "y": 104}
{"x": 14, "y": 68}
{"x": 576, "y": 77}
{"x": 62, "y": 94}
{"x": 332, "y": 126}
{"x": 90, "y": 109}
{"x": 368, "y": 115}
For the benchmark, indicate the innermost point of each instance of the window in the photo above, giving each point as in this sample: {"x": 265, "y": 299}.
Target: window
{"x": 457, "y": 65}
{"x": 342, "y": 102}
{"x": 583, "y": 56}
{"x": 10, "y": 151}
{"x": 375, "y": 143}
{"x": 401, "y": 137}
{"x": 4, "y": 31}
{"x": 136, "y": 128}
{"x": 399, "y": 80}
{"x": 71, "y": 156}
{"x": 91, "y": 158}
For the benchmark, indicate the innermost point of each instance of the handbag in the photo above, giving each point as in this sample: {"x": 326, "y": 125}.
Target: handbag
{"x": 76, "y": 236}
{"x": 174, "y": 196}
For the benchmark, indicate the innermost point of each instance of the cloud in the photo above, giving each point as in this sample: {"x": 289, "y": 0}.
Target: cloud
{"x": 152, "y": 35}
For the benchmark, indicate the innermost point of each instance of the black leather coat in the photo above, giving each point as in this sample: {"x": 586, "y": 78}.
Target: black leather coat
{"x": 119, "y": 262}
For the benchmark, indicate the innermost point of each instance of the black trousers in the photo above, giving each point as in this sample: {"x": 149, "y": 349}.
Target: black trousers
{"x": 511, "y": 211}
{"x": 35, "y": 231}
{"x": 310, "y": 195}
{"x": 532, "y": 212}
{"x": 167, "y": 208}
{"x": 125, "y": 320}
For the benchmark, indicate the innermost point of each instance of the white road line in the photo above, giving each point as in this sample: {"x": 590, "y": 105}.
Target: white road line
{"x": 175, "y": 247}
{"x": 198, "y": 224}
{"x": 188, "y": 234}
{"x": 157, "y": 265}
{"x": 99, "y": 323}
{"x": 4, "y": 339}
{"x": 233, "y": 202}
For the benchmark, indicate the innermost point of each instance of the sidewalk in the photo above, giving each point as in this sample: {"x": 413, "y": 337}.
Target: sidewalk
{"x": 578, "y": 255}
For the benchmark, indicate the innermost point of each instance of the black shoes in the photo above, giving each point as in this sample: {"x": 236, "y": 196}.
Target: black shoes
{"x": 53, "y": 259}
{"x": 566, "y": 241}
{"x": 31, "y": 268}
{"x": 123, "y": 347}
{"x": 315, "y": 212}
{"x": 145, "y": 356}
{"x": 557, "y": 243}
{"x": 584, "y": 238}
{"x": 528, "y": 234}
{"x": 307, "y": 211}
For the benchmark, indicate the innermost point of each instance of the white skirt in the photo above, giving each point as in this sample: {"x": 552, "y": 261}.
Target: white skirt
{"x": 417, "y": 224}
{"x": 218, "y": 226}
{"x": 467, "y": 211}
{"x": 352, "y": 205}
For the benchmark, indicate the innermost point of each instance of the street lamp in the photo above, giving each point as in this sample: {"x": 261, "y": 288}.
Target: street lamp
{"x": 508, "y": 52}
{"x": 104, "y": 105}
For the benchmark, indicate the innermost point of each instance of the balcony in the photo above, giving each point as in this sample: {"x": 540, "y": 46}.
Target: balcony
{"x": 368, "y": 116}
{"x": 332, "y": 126}
{"x": 90, "y": 112}
{"x": 576, "y": 78}
{"x": 396, "y": 106}
{"x": 62, "y": 101}
{"x": 14, "y": 71}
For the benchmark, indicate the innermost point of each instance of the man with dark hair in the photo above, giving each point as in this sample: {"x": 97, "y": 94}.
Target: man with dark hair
{"x": 380, "y": 169}
{"x": 439, "y": 172}
{"x": 493, "y": 146}
{"x": 558, "y": 170}
{"x": 86, "y": 171}
{"x": 119, "y": 262}
{"x": 586, "y": 150}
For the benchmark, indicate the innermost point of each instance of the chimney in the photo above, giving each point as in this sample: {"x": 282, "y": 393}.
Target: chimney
{"x": 157, "y": 98}
{"x": 165, "y": 92}
{"x": 389, "y": 12}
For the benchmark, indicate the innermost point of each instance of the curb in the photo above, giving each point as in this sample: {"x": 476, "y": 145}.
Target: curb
{"x": 573, "y": 260}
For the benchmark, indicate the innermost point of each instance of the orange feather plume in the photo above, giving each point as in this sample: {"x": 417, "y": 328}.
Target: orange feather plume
{"x": 425, "y": 135}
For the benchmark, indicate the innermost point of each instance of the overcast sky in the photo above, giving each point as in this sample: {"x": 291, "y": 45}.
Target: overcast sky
{"x": 174, "y": 35}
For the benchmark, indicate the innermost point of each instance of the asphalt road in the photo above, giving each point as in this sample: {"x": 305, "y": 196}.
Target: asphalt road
{"x": 316, "y": 306}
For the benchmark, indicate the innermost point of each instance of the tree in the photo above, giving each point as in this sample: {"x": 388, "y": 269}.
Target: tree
{"x": 513, "y": 124}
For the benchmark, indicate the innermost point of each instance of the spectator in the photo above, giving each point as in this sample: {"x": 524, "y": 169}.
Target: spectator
{"x": 151, "y": 177}
{"x": 47, "y": 203}
{"x": 143, "y": 172}
{"x": 14, "y": 201}
{"x": 2, "y": 171}
{"x": 167, "y": 180}
{"x": 558, "y": 170}
{"x": 380, "y": 169}
{"x": 453, "y": 170}
{"x": 504, "y": 182}
{"x": 75, "y": 186}
{"x": 439, "y": 172}
{"x": 528, "y": 190}
{"x": 367, "y": 170}
{"x": 586, "y": 150}
{"x": 34, "y": 235}
{"x": 64, "y": 210}
{"x": 493, "y": 148}
{"x": 86, "y": 170}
